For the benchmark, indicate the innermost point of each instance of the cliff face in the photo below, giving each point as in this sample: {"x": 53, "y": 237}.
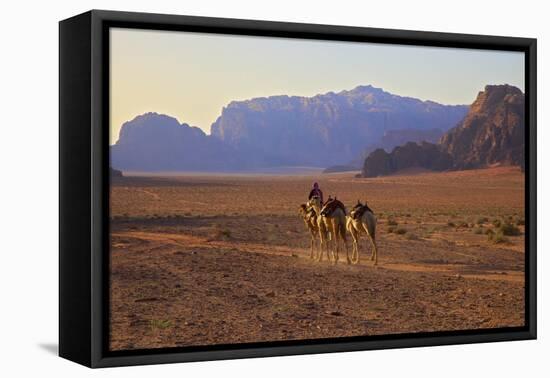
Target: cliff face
{"x": 493, "y": 131}
{"x": 156, "y": 142}
{"x": 327, "y": 129}
{"x": 411, "y": 155}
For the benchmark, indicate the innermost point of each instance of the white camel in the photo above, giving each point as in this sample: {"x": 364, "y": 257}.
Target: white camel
{"x": 362, "y": 220}
{"x": 310, "y": 220}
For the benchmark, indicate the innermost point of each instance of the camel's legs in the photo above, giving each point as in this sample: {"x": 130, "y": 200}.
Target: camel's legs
{"x": 323, "y": 245}
{"x": 354, "y": 247}
{"x": 375, "y": 251}
{"x": 374, "y": 254}
{"x": 336, "y": 251}
{"x": 345, "y": 240}
{"x": 356, "y": 261}
{"x": 335, "y": 242}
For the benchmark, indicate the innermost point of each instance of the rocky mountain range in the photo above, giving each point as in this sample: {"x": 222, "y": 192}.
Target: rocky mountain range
{"x": 288, "y": 130}
{"x": 156, "y": 142}
{"x": 492, "y": 133}
{"x": 335, "y": 130}
{"x": 283, "y": 131}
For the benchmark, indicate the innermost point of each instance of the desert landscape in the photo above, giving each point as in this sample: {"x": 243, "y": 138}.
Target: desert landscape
{"x": 213, "y": 204}
{"x": 202, "y": 259}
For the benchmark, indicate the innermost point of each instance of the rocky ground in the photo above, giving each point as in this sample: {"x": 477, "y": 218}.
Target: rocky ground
{"x": 201, "y": 260}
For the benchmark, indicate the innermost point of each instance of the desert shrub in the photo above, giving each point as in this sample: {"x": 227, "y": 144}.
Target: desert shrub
{"x": 391, "y": 230}
{"x": 462, "y": 224}
{"x": 392, "y": 222}
{"x": 497, "y": 237}
{"x": 411, "y": 236}
{"x": 497, "y": 222}
{"x": 160, "y": 324}
{"x": 520, "y": 222}
{"x": 478, "y": 231}
{"x": 401, "y": 231}
{"x": 482, "y": 220}
{"x": 489, "y": 232}
{"x": 223, "y": 234}
{"x": 450, "y": 224}
{"x": 509, "y": 229}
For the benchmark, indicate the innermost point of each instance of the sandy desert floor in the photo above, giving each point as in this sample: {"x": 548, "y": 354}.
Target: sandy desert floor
{"x": 203, "y": 259}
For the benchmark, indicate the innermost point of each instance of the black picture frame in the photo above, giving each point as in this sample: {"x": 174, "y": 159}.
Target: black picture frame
{"x": 84, "y": 186}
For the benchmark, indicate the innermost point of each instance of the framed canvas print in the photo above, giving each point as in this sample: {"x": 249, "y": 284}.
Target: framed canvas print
{"x": 234, "y": 188}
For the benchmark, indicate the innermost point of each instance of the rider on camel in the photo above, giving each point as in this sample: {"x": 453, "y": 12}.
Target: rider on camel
{"x": 316, "y": 191}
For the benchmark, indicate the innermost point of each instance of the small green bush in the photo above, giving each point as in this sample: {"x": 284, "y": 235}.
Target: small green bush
{"x": 482, "y": 220}
{"x": 412, "y": 236}
{"x": 401, "y": 231}
{"x": 223, "y": 234}
{"x": 520, "y": 222}
{"x": 160, "y": 324}
{"x": 509, "y": 229}
{"x": 497, "y": 222}
{"x": 497, "y": 237}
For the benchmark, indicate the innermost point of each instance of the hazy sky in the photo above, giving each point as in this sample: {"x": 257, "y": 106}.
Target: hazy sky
{"x": 191, "y": 76}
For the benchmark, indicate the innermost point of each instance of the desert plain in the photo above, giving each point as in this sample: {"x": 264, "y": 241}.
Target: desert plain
{"x": 201, "y": 259}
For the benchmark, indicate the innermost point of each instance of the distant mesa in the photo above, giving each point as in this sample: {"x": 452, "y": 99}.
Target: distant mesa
{"x": 328, "y": 129}
{"x": 155, "y": 142}
{"x": 115, "y": 172}
{"x": 492, "y": 133}
{"x": 411, "y": 155}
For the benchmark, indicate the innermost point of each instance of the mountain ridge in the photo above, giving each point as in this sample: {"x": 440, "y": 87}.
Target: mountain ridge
{"x": 285, "y": 129}
{"x": 492, "y": 133}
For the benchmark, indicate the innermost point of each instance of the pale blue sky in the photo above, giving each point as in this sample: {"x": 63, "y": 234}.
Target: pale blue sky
{"x": 191, "y": 76}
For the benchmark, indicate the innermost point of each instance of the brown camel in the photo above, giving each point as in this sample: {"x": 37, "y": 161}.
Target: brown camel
{"x": 315, "y": 204}
{"x": 334, "y": 217}
{"x": 362, "y": 220}
{"x": 310, "y": 220}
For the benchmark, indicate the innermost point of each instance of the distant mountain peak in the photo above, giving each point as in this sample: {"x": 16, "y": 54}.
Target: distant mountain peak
{"x": 285, "y": 129}
{"x": 493, "y": 131}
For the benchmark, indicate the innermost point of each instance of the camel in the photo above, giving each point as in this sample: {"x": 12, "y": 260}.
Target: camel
{"x": 362, "y": 220}
{"x": 310, "y": 220}
{"x": 315, "y": 204}
{"x": 333, "y": 214}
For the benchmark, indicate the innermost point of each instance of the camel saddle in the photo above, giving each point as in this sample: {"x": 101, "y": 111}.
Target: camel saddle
{"x": 331, "y": 205}
{"x": 361, "y": 210}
